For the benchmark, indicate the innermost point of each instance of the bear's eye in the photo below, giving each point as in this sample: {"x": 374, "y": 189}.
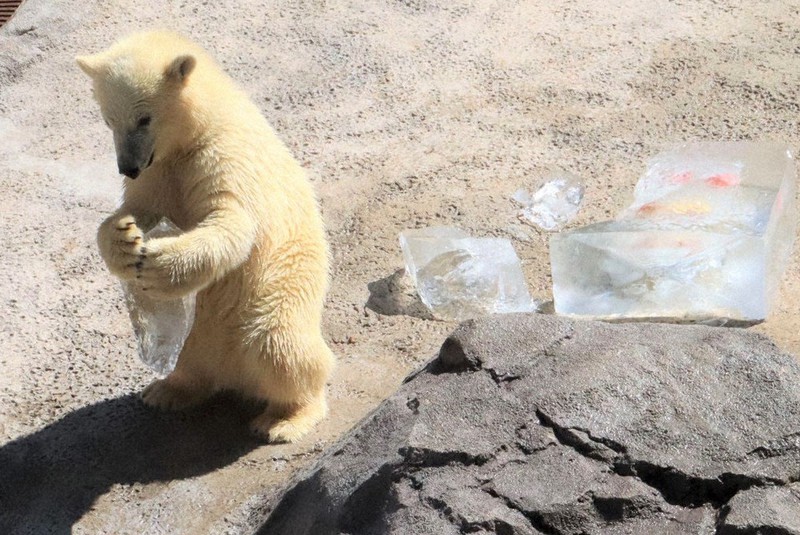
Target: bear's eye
{"x": 144, "y": 121}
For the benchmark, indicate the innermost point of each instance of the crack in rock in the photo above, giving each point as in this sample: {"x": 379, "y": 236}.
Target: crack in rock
{"x": 591, "y": 512}
{"x": 615, "y": 509}
{"x": 418, "y": 458}
{"x": 685, "y": 490}
{"x": 536, "y": 519}
{"x": 762, "y": 510}
{"x": 582, "y": 441}
{"x": 550, "y": 349}
{"x": 676, "y": 487}
{"x": 778, "y": 447}
{"x": 463, "y": 525}
{"x": 502, "y": 377}
{"x": 380, "y": 483}
{"x": 532, "y": 440}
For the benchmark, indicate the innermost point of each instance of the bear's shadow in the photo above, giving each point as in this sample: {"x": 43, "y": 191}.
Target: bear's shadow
{"x": 50, "y": 478}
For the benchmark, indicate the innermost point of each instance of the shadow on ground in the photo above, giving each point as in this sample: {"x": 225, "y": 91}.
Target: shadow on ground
{"x": 50, "y": 478}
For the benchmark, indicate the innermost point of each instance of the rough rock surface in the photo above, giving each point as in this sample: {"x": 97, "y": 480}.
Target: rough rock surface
{"x": 536, "y": 424}
{"x": 765, "y": 510}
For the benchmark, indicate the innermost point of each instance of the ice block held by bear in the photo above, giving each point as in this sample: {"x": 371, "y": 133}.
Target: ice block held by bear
{"x": 458, "y": 277}
{"x": 160, "y": 327}
{"x": 707, "y": 237}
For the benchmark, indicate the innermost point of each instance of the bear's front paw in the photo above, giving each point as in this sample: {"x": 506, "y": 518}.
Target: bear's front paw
{"x": 157, "y": 271}
{"x": 121, "y": 242}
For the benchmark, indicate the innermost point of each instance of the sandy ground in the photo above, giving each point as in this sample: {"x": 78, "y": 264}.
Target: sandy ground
{"x": 407, "y": 113}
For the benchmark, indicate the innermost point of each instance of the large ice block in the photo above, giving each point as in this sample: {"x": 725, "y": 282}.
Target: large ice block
{"x": 458, "y": 277}
{"x": 707, "y": 237}
{"x": 160, "y": 327}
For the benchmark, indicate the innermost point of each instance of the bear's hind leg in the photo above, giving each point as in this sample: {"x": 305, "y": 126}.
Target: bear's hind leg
{"x": 298, "y": 364}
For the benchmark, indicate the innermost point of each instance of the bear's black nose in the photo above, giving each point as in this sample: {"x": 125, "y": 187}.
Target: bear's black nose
{"x": 130, "y": 172}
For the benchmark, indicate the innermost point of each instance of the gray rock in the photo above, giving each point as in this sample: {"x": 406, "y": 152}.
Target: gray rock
{"x": 764, "y": 511}
{"x": 537, "y": 424}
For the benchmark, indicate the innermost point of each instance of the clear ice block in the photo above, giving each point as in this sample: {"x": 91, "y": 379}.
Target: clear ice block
{"x": 707, "y": 237}
{"x": 458, "y": 277}
{"x": 553, "y": 205}
{"x": 160, "y": 327}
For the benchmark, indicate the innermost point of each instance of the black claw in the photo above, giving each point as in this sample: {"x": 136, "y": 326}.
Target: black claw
{"x": 144, "y": 251}
{"x": 138, "y": 265}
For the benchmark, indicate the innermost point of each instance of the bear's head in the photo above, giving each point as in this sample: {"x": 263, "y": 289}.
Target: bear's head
{"x": 142, "y": 86}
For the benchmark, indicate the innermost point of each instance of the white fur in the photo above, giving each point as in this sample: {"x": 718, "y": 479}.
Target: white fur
{"x": 253, "y": 241}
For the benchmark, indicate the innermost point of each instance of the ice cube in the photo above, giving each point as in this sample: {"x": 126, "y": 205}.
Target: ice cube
{"x": 708, "y": 236}
{"x": 422, "y": 245}
{"x": 160, "y": 327}
{"x": 458, "y": 277}
{"x": 553, "y": 205}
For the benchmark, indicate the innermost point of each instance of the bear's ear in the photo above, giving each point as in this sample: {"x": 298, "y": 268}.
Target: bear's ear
{"x": 89, "y": 64}
{"x": 180, "y": 68}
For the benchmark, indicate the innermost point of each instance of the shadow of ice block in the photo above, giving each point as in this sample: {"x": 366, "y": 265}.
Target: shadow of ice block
{"x": 458, "y": 277}
{"x": 708, "y": 236}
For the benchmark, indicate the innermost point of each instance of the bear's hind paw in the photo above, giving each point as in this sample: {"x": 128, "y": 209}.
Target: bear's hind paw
{"x": 288, "y": 427}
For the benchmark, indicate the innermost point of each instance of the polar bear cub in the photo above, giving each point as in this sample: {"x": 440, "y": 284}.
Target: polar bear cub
{"x": 197, "y": 150}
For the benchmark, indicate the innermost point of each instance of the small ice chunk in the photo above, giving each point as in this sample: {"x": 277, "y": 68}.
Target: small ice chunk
{"x": 458, "y": 277}
{"x": 160, "y": 327}
{"x": 523, "y": 197}
{"x": 553, "y": 205}
{"x": 707, "y": 236}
